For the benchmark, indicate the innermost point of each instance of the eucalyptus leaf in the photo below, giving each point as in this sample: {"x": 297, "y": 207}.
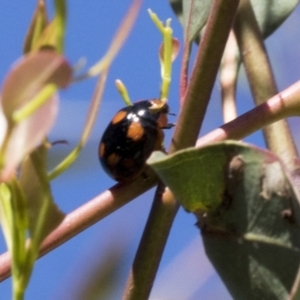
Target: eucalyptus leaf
{"x": 177, "y": 8}
{"x": 248, "y": 213}
{"x": 270, "y": 14}
{"x": 192, "y": 14}
{"x": 182, "y": 170}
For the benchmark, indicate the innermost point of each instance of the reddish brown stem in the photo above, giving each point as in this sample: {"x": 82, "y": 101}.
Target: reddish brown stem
{"x": 184, "y": 71}
{"x": 282, "y": 105}
{"x": 204, "y": 74}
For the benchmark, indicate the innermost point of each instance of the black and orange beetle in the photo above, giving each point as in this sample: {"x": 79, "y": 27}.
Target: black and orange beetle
{"x": 131, "y": 136}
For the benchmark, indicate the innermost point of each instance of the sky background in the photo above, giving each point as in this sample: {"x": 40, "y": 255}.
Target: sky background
{"x": 185, "y": 272}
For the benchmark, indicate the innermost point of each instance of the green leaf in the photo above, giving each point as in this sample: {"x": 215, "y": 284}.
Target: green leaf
{"x": 38, "y": 23}
{"x": 192, "y": 14}
{"x": 52, "y": 34}
{"x": 177, "y": 8}
{"x": 271, "y": 14}
{"x": 185, "y": 168}
{"x": 251, "y": 231}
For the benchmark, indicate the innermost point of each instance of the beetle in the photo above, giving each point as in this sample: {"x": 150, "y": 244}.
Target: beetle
{"x": 132, "y": 135}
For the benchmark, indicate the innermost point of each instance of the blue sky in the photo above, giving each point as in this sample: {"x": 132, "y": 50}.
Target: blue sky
{"x": 91, "y": 25}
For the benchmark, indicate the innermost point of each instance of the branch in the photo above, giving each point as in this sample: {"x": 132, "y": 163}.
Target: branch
{"x": 283, "y": 105}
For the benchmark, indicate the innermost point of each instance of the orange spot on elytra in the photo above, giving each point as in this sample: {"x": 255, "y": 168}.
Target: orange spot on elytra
{"x": 113, "y": 159}
{"x": 101, "y": 149}
{"x": 135, "y": 131}
{"x": 119, "y": 117}
{"x": 128, "y": 163}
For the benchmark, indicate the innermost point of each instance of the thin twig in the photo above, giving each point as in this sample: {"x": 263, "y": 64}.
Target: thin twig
{"x": 283, "y": 105}
{"x": 152, "y": 245}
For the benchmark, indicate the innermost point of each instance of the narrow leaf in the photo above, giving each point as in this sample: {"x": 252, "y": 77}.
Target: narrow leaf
{"x": 52, "y": 37}
{"x": 38, "y": 24}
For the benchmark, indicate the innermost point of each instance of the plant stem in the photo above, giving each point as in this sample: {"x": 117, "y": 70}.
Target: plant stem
{"x": 184, "y": 71}
{"x": 283, "y": 105}
{"x": 152, "y": 245}
{"x": 204, "y": 74}
{"x": 262, "y": 82}
{"x": 18, "y": 292}
{"x": 18, "y": 252}
{"x": 165, "y": 207}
